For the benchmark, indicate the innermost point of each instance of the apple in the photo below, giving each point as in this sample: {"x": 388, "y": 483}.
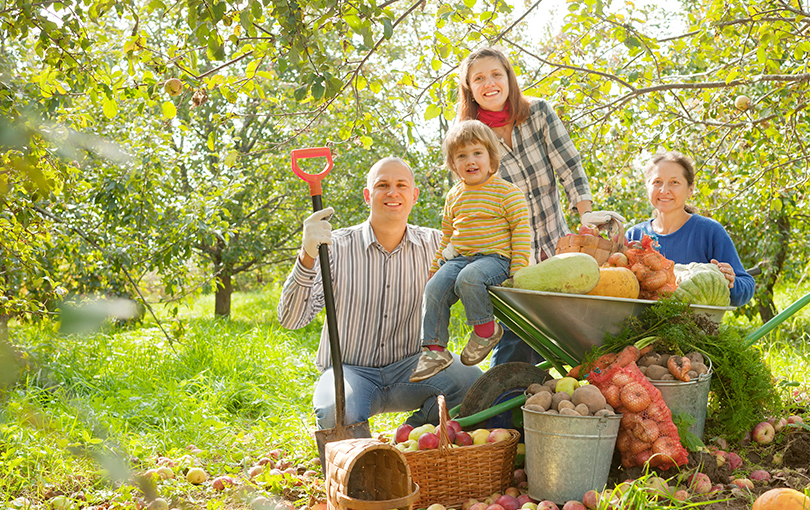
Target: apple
{"x": 158, "y": 504}
{"x": 718, "y": 487}
{"x": 321, "y": 505}
{"x": 657, "y": 485}
{"x": 734, "y": 460}
{"x": 529, "y": 505}
{"x": 276, "y": 453}
{"x": 480, "y": 436}
{"x": 618, "y": 259}
{"x": 573, "y": 505}
{"x": 463, "y": 439}
{"x": 436, "y": 506}
{"x": 547, "y": 505}
{"x": 743, "y": 483}
{"x": 721, "y": 457}
{"x": 508, "y": 502}
{"x": 479, "y": 506}
{"x": 587, "y": 231}
{"x": 680, "y": 495}
{"x": 794, "y": 420}
{"x": 468, "y": 503}
{"x": 700, "y": 483}
{"x": 519, "y": 476}
{"x": 525, "y": 498}
{"x": 567, "y": 384}
{"x": 763, "y": 433}
{"x": 760, "y": 475}
{"x": 402, "y": 433}
{"x": 512, "y": 491}
{"x": 453, "y": 424}
{"x": 495, "y": 506}
{"x": 173, "y": 87}
{"x": 60, "y": 502}
{"x": 591, "y": 500}
{"x": 428, "y": 441}
{"x": 196, "y": 476}
{"x": 778, "y": 424}
{"x": 165, "y": 472}
{"x": 257, "y": 470}
{"x": 498, "y": 435}
{"x": 742, "y": 102}
{"x": 451, "y": 435}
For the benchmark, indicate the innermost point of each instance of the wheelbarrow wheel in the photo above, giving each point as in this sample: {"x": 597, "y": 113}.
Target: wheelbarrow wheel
{"x": 512, "y": 377}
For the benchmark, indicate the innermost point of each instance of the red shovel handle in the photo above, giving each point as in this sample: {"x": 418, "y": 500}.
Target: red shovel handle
{"x": 314, "y": 180}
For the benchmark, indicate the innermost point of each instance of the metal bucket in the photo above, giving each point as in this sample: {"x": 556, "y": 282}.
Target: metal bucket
{"x": 566, "y": 456}
{"x": 688, "y": 397}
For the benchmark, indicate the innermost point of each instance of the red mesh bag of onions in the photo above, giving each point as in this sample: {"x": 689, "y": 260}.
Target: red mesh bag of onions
{"x": 646, "y": 432}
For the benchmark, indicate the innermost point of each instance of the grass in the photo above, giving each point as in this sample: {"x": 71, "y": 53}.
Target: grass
{"x": 86, "y": 412}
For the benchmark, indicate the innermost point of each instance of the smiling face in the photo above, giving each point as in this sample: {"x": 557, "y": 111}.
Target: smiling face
{"x": 472, "y": 164}
{"x": 667, "y": 187}
{"x": 489, "y": 84}
{"x": 390, "y": 192}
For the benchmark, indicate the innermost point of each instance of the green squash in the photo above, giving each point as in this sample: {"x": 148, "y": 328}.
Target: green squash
{"x": 701, "y": 284}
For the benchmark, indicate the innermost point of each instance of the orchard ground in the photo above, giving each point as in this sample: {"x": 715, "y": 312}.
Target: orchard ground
{"x": 87, "y": 414}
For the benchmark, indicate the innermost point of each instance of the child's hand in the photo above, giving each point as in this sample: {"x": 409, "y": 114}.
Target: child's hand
{"x": 449, "y": 252}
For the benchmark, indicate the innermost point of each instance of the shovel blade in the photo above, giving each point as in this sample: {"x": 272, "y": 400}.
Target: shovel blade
{"x": 353, "y": 431}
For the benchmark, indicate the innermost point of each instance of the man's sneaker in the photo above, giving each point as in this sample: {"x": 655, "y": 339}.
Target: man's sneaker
{"x": 477, "y": 348}
{"x": 431, "y": 363}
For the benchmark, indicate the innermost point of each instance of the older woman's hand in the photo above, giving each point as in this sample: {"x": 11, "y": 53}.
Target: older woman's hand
{"x": 727, "y": 271}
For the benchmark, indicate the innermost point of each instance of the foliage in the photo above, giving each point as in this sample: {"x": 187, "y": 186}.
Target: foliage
{"x": 742, "y": 383}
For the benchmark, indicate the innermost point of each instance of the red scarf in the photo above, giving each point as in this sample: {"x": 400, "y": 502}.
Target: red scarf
{"x": 494, "y": 119}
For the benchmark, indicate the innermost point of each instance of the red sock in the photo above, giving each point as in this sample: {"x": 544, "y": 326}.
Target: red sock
{"x": 435, "y": 347}
{"x": 485, "y": 330}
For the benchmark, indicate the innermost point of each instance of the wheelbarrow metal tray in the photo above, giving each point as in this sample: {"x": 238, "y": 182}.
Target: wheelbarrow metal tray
{"x": 577, "y": 322}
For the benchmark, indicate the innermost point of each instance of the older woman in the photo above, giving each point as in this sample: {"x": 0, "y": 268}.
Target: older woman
{"x": 536, "y": 151}
{"x": 682, "y": 235}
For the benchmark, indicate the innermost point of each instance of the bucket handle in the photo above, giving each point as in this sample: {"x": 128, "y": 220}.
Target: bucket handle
{"x": 363, "y": 504}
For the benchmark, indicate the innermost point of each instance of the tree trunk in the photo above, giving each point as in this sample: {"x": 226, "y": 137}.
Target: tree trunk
{"x": 766, "y": 306}
{"x": 222, "y": 298}
{"x": 4, "y": 318}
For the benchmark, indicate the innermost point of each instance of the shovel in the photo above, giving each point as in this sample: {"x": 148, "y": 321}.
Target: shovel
{"x": 341, "y": 430}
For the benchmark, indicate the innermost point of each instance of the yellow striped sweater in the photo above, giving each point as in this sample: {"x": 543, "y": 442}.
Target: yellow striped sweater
{"x": 488, "y": 218}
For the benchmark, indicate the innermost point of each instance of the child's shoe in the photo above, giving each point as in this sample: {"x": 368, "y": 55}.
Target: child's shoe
{"x": 431, "y": 363}
{"x": 477, "y": 348}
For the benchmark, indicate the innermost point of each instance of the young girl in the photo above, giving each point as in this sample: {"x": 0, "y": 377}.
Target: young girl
{"x": 487, "y": 220}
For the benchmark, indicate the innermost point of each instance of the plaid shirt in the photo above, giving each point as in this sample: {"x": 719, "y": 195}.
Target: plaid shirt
{"x": 541, "y": 149}
{"x": 378, "y": 295}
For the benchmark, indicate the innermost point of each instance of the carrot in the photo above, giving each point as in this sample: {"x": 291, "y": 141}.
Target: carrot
{"x": 574, "y": 372}
{"x": 679, "y": 367}
{"x": 629, "y": 354}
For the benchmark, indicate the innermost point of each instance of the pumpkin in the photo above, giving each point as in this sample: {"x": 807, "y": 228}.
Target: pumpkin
{"x": 701, "y": 284}
{"x": 782, "y": 499}
{"x": 617, "y": 282}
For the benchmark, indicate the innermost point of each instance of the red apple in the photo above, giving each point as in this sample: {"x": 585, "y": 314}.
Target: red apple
{"x": 402, "y": 433}
{"x": 512, "y": 491}
{"x": 793, "y": 419}
{"x": 463, "y": 439}
{"x": 587, "y": 231}
{"x": 518, "y": 476}
{"x": 468, "y": 503}
{"x": 778, "y": 424}
{"x": 591, "y": 500}
{"x": 453, "y": 424}
{"x": 547, "y": 505}
{"x": 525, "y": 498}
{"x": 760, "y": 474}
{"x": 498, "y": 435}
{"x": 734, "y": 460}
{"x": 428, "y": 441}
{"x": 573, "y": 505}
{"x": 508, "y": 502}
{"x": 479, "y": 506}
{"x": 255, "y": 471}
{"x": 763, "y": 433}
{"x": 680, "y": 495}
{"x": 451, "y": 434}
{"x": 495, "y": 506}
{"x": 743, "y": 483}
{"x": 618, "y": 259}
{"x": 221, "y": 482}
{"x": 700, "y": 483}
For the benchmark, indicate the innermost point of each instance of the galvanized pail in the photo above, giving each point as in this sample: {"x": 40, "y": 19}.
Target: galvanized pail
{"x": 566, "y": 456}
{"x": 688, "y": 397}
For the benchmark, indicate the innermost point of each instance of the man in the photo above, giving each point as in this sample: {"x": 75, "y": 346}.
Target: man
{"x": 379, "y": 269}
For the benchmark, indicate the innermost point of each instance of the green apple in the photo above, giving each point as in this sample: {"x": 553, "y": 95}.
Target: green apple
{"x": 567, "y": 384}
{"x": 742, "y": 102}
{"x": 416, "y": 432}
{"x": 173, "y": 87}
{"x": 196, "y": 476}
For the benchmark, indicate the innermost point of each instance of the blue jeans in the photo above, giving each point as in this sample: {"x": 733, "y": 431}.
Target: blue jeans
{"x": 464, "y": 278}
{"x": 387, "y": 389}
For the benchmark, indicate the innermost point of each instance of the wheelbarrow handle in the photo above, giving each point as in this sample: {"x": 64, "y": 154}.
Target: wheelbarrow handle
{"x": 314, "y": 180}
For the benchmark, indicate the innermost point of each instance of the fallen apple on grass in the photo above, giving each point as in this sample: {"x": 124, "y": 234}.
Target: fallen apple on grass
{"x": 700, "y": 483}
{"x": 743, "y": 483}
{"x": 734, "y": 460}
{"x": 158, "y": 504}
{"x": 508, "y": 502}
{"x": 760, "y": 475}
{"x": 255, "y": 471}
{"x": 763, "y": 433}
{"x": 794, "y": 419}
{"x": 196, "y": 476}
{"x": 529, "y": 505}
{"x": 573, "y": 505}
{"x": 547, "y": 505}
{"x": 591, "y": 500}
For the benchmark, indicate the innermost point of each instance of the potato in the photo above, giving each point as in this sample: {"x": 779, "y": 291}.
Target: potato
{"x": 582, "y": 409}
{"x": 535, "y": 407}
{"x": 695, "y": 357}
{"x": 692, "y": 375}
{"x": 648, "y": 359}
{"x": 663, "y": 358}
{"x": 535, "y": 388}
{"x": 559, "y": 397}
{"x": 542, "y": 399}
{"x": 565, "y": 404}
{"x": 590, "y": 396}
{"x": 552, "y": 411}
{"x": 656, "y": 372}
{"x": 604, "y": 412}
{"x": 700, "y": 368}
{"x": 569, "y": 412}
{"x": 552, "y": 384}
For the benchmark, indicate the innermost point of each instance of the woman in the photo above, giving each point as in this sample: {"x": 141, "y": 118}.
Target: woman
{"x": 682, "y": 235}
{"x": 535, "y": 151}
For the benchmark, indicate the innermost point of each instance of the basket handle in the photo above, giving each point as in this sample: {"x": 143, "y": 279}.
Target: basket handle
{"x": 613, "y": 226}
{"x": 362, "y": 504}
{"x": 444, "y": 417}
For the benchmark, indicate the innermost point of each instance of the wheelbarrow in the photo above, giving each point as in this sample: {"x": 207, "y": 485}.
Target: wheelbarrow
{"x": 562, "y": 328}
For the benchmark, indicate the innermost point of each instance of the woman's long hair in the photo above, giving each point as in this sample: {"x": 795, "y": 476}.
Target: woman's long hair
{"x": 468, "y": 108}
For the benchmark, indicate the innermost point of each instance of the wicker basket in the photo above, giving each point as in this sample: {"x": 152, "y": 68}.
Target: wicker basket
{"x": 451, "y": 475}
{"x": 595, "y": 246}
{"x": 367, "y": 474}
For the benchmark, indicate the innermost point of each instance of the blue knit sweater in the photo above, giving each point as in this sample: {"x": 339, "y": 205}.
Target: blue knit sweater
{"x": 701, "y": 239}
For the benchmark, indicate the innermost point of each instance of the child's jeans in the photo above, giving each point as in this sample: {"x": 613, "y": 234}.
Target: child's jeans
{"x": 464, "y": 278}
